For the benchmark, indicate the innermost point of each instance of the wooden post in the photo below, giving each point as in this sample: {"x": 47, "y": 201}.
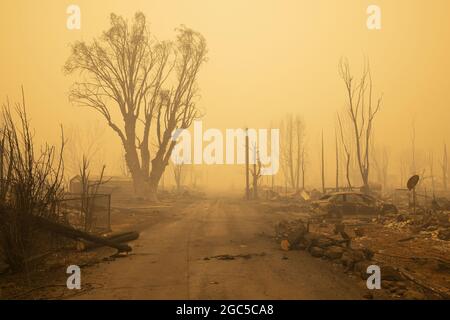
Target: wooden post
{"x": 247, "y": 168}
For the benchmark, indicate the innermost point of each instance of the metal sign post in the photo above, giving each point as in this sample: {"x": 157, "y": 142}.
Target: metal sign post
{"x": 411, "y": 185}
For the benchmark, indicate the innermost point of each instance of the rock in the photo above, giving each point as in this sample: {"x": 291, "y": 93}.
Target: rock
{"x": 297, "y": 235}
{"x": 301, "y": 246}
{"x": 351, "y": 257}
{"x": 323, "y": 242}
{"x": 313, "y": 239}
{"x": 285, "y": 245}
{"x": 316, "y": 252}
{"x": 413, "y": 295}
{"x": 361, "y": 268}
{"x": 334, "y": 252}
{"x": 391, "y": 274}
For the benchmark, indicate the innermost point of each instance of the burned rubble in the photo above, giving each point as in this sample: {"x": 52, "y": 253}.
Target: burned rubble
{"x": 410, "y": 248}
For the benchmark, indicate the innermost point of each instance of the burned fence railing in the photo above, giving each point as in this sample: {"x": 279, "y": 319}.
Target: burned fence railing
{"x": 87, "y": 213}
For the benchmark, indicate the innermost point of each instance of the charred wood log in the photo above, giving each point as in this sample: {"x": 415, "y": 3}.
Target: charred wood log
{"x": 117, "y": 238}
{"x": 75, "y": 234}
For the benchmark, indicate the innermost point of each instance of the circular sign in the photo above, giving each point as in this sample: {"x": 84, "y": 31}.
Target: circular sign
{"x": 412, "y": 182}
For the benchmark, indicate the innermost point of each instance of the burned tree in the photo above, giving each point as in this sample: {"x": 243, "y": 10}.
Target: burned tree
{"x": 31, "y": 184}
{"x": 293, "y": 129}
{"x": 444, "y": 166}
{"x": 431, "y": 165}
{"x": 89, "y": 191}
{"x": 361, "y": 112}
{"x": 86, "y": 143}
{"x": 178, "y": 176}
{"x": 385, "y": 167}
{"x": 150, "y": 85}
{"x": 303, "y": 160}
{"x": 347, "y": 154}
{"x": 256, "y": 172}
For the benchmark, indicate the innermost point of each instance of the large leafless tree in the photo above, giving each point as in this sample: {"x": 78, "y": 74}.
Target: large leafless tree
{"x": 361, "y": 111}
{"x": 143, "y": 88}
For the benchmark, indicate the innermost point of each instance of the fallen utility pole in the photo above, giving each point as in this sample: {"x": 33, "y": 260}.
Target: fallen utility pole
{"x": 75, "y": 234}
{"x": 117, "y": 238}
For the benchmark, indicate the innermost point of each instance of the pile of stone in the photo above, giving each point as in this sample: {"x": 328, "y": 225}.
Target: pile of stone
{"x": 295, "y": 235}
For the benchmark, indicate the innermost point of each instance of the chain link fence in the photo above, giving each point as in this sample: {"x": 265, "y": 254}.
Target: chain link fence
{"x": 90, "y": 214}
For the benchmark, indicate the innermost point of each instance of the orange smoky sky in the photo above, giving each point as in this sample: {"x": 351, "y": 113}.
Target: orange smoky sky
{"x": 266, "y": 58}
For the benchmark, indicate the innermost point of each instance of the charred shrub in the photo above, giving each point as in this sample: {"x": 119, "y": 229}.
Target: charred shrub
{"x": 30, "y": 185}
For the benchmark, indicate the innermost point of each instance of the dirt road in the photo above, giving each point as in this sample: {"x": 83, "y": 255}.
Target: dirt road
{"x": 216, "y": 249}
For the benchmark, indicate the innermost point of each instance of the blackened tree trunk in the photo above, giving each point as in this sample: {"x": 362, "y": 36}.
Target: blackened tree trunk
{"x": 361, "y": 110}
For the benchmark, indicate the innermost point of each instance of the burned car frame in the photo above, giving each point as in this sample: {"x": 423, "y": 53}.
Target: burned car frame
{"x": 337, "y": 204}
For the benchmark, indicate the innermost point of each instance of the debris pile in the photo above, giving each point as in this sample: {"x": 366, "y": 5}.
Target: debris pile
{"x": 398, "y": 283}
{"x": 441, "y": 203}
{"x": 434, "y": 223}
{"x": 298, "y": 237}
